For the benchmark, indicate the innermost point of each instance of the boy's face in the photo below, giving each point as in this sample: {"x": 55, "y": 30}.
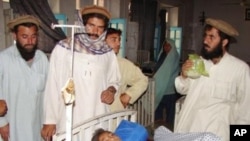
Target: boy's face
{"x": 113, "y": 40}
{"x": 108, "y": 136}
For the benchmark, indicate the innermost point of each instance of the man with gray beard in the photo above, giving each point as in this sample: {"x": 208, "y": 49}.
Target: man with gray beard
{"x": 216, "y": 101}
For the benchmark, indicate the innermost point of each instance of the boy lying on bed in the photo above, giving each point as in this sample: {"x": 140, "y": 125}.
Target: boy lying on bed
{"x": 126, "y": 131}
{"x": 130, "y": 131}
{"x": 104, "y": 135}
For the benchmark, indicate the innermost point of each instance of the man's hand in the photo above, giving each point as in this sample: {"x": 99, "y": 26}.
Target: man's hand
{"x": 3, "y": 108}
{"x": 4, "y": 131}
{"x": 108, "y": 96}
{"x": 185, "y": 67}
{"x": 125, "y": 98}
{"x": 48, "y": 131}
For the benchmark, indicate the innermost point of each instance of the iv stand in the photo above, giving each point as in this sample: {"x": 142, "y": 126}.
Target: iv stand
{"x": 69, "y": 106}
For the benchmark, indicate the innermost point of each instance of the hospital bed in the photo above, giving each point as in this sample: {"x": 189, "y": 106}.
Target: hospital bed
{"x": 106, "y": 121}
{"x": 142, "y": 112}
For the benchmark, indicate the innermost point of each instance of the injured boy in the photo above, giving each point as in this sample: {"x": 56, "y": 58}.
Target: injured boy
{"x": 104, "y": 135}
{"x": 126, "y": 131}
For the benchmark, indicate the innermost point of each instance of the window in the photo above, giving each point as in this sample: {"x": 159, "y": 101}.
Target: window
{"x": 62, "y": 19}
{"x": 176, "y": 35}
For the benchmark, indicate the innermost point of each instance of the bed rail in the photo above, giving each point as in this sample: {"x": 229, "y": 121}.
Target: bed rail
{"x": 145, "y": 105}
{"x": 108, "y": 121}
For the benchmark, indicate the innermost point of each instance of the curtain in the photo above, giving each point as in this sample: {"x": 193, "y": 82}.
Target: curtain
{"x": 48, "y": 37}
{"x": 162, "y": 15}
{"x": 143, "y": 12}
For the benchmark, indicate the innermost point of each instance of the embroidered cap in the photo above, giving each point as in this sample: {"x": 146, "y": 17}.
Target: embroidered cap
{"x": 222, "y": 26}
{"x": 95, "y": 9}
{"x": 23, "y": 19}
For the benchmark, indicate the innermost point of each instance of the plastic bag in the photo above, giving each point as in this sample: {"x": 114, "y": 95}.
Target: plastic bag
{"x": 198, "y": 67}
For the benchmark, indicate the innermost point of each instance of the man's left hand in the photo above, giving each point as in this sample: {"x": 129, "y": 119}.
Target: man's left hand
{"x": 125, "y": 98}
{"x": 108, "y": 95}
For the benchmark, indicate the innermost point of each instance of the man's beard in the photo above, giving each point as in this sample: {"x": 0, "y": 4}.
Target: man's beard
{"x": 25, "y": 53}
{"x": 215, "y": 53}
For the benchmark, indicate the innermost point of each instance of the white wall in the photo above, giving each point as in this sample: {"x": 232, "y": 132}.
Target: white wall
{"x": 54, "y": 5}
{"x": 113, "y": 7}
{"x": 3, "y": 32}
{"x": 2, "y": 37}
{"x": 173, "y": 16}
{"x": 132, "y": 41}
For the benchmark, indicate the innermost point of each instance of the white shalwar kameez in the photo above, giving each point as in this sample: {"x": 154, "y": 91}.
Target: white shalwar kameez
{"x": 22, "y": 87}
{"x": 92, "y": 74}
{"x": 214, "y": 103}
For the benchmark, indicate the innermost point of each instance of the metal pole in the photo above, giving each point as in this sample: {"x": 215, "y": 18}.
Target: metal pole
{"x": 69, "y": 106}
